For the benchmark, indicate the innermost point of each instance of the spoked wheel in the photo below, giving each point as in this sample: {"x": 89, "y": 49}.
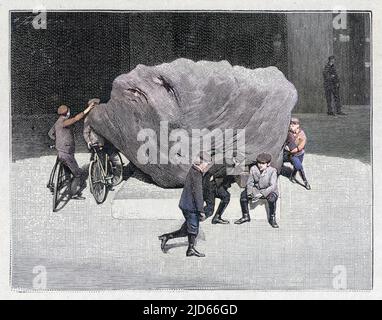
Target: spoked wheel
{"x": 116, "y": 166}
{"x": 97, "y": 182}
{"x": 61, "y": 186}
{"x": 50, "y": 184}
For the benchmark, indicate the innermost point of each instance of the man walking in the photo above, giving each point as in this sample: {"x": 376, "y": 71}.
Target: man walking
{"x": 332, "y": 87}
{"x": 261, "y": 184}
{"x": 191, "y": 204}
{"x": 62, "y": 133}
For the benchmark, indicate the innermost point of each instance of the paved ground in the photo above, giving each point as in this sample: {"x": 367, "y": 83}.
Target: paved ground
{"x": 324, "y": 230}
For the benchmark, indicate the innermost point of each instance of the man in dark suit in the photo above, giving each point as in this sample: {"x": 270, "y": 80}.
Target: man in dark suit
{"x": 62, "y": 133}
{"x": 332, "y": 87}
{"x": 191, "y": 203}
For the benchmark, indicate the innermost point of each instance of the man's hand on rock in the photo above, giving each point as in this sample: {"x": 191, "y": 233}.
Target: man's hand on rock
{"x": 89, "y": 108}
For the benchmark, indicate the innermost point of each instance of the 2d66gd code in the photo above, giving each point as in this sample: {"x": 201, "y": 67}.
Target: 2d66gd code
{"x": 199, "y": 309}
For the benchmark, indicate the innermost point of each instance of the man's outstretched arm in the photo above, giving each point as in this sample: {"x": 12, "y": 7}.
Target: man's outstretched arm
{"x": 78, "y": 117}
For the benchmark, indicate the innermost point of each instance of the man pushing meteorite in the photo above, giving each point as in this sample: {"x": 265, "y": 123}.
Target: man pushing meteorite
{"x": 63, "y": 134}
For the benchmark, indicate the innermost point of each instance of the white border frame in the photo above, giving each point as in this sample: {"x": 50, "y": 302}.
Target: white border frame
{"x": 287, "y": 5}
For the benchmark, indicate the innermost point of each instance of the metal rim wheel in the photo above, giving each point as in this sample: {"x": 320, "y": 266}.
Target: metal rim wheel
{"x": 97, "y": 182}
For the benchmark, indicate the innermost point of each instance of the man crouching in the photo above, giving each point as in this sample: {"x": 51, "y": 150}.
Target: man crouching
{"x": 261, "y": 184}
{"x": 191, "y": 203}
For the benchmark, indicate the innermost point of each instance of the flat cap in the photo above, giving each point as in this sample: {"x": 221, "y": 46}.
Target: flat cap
{"x": 264, "y": 158}
{"x": 63, "y": 109}
{"x": 295, "y": 120}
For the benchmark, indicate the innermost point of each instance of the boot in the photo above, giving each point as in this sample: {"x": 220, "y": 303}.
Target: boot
{"x": 191, "y": 251}
{"x": 218, "y": 220}
{"x": 164, "y": 238}
{"x": 307, "y": 185}
{"x": 78, "y": 196}
{"x": 167, "y": 236}
{"x": 272, "y": 215}
{"x": 244, "y": 218}
{"x": 272, "y": 220}
{"x": 218, "y": 215}
{"x": 303, "y": 177}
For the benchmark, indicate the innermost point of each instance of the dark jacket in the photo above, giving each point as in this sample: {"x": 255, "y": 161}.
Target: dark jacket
{"x": 331, "y": 79}
{"x": 192, "y": 195}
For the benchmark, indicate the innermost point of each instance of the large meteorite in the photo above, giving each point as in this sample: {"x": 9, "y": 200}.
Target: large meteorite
{"x": 196, "y": 95}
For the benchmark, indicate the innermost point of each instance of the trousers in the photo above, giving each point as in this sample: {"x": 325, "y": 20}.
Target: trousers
{"x": 70, "y": 161}
{"x": 271, "y": 199}
{"x": 192, "y": 222}
{"x": 220, "y": 193}
{"x": 333, "y": 94}
{"x": 295, "y": 160}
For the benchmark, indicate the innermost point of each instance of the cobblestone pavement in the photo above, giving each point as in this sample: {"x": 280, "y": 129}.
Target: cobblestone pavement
{"x": 322, "y": 231}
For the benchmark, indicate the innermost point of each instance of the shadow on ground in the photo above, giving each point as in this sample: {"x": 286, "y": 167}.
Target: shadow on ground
{"x": 340, "y": 136}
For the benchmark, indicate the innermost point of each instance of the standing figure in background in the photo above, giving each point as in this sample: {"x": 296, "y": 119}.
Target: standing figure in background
{"x": 295, "y": 150}
{"x": 279, "y": 55}
{"x": 191, "y": 204}
{"x": 332, "y": 87}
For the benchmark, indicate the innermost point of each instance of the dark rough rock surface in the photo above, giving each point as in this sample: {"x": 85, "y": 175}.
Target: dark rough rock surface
{"x": 197, "y": 95}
